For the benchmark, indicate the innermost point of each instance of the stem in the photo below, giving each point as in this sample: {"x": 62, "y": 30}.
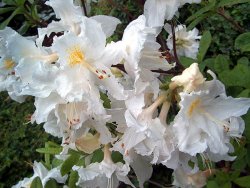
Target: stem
{"x": 178, "y": 64}
{"x": 169, "y": 72}
{"x": 164, "y": 112}
{"x": 236, "y": 25}
{"x": 84, "y": 7}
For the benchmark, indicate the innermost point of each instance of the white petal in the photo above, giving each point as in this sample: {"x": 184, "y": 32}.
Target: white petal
{"x": 108, "y": 23}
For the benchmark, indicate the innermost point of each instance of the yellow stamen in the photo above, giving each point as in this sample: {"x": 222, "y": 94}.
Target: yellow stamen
{"x": 9, "y": 64}
{"x": 76, "y": 56}
{"x": 192, "y": 107}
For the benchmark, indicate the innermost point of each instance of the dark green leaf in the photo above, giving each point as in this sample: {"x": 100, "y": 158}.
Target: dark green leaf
{"x": 117, "y": 157}
{"x": 97, "y": 156}
{"x": 204, "y": 45}
{"x": 199, "y": 13}
{"x": 186, "y": 61}
{"x": 73, "y": 178}
{"x": 212, "y": 184}
{"x": 222, "y": 63}
{"x": 69, "y": 163}
{"x": 239, "y": 76}
{"x": 231, "y": 2}
{"x": 51, "y": 184}
{"x": 242, "y": 42}
{"x": 243, "y": 181}
{"x": 6, "y": 9}
{"x": 36, "y": 183}
{"x": 19, "y": 10}
{"x": 198, "y": 20}
{"x": 52, "y": 151}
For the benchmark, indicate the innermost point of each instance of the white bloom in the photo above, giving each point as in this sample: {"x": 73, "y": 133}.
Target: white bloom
{"x": 147, "y": 135}
{"x": 142, "y": 55}
{"x": 187, "y": 180}
{"x": 84, "y": 63}
{"x": 201, "y": 123}
{"x": 187, "y": 43}
{"x": 190, "y": 79}
{"x": 104, "y": 174}
{"x": 156, "y": 11}
{"x": 71, "y": 17}
{"x": 44, "y": 174}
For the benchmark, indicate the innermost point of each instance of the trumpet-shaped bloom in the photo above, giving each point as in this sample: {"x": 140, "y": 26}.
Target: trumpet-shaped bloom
{"x": 104, "y": 174}
{"x": 201, "y": 123}
{"x": 187, "y": 42}
{"x": 44, "y": 174}
{"x": 190, "y": 79}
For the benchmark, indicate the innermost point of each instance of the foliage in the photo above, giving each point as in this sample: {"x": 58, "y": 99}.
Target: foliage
{"x": 19, "y": 140}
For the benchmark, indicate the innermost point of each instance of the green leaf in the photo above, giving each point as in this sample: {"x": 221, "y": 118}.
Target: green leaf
{"x": 244, "y": 93}
{"x": 19, "y": 10}
{"x": 212, "y": 184}
{"x": 204, "y": 45}
{"x": 97, "y": 156}
{"x": 186, "y": 61}
{"x": 56, "y": 162}
{"x": 47, "y": 156}
{"x": 36, "y": 183}
{"x": 52, "y": 151}
{"x": 239, "y": 76}
{"x": 73, "y": 178}
{"x": 223, "y": 3}
{"x": 226, "y": 185}
{"x": 24, "y": 28}
{"x": 222, "y": 63}
{"x": 105, "y": 99}
{"x": 209, "y": 63}
{"x": 242, "y": 42}
{"x": 199, "y": 13}
{"x": 69, "y": 163}
{"x": 198, "y": 20}
{"x": 6, "y": 9}
{"x": 243, "y": 181}
{"x": 243, "y": 61}
{"x": 117, "y": 157}
{"x": 51, "y": 184}
{"x": 20, "y": 2}
{"x": 9, "y": 2}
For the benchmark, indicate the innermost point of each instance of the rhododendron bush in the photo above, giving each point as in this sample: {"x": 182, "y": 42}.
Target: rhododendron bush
{"x": 121, "y": 107}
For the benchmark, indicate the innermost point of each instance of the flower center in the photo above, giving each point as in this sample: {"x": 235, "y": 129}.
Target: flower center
{"x": 76, "y": 56}
{"x": 9, "y": 64}
{"x": 193, "y": 106}
{"x": 180, "y": 43}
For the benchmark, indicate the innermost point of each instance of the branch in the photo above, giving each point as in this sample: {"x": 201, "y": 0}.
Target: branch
{"x": 178, "y": 64}
{"x": 169, "y": 72}
{"x": 236, "y": 25}
{"x": 84, "y": 7}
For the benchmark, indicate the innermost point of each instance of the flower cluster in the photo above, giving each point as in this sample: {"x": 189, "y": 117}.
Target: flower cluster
{"x": 70, "y": 75}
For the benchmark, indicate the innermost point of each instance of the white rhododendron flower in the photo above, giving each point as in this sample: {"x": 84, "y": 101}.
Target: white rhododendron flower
{"x": 142, "y": 55}
{"x": 190, "y": 79}
{"x": 187, "y": 42}
{"x": 197, "y": 180}
{"x": 201, "y": 123}
{"x": 103, "y": 174}
{"x": 44, "y": 174}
